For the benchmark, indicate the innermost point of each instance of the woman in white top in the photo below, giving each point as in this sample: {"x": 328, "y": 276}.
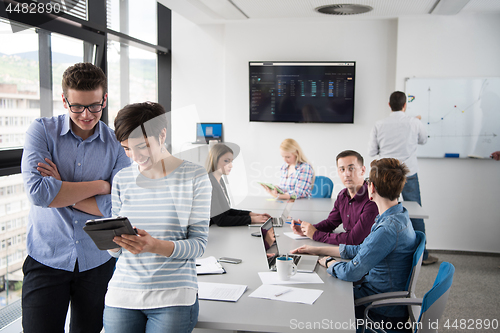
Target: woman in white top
{"x": 154, "y": 287}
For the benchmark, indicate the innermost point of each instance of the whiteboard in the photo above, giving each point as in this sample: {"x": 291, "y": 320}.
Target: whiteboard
{"x": 461, "y": 115}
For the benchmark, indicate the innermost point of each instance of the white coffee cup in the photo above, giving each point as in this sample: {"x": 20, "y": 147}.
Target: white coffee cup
{"x": 285, "y": 267}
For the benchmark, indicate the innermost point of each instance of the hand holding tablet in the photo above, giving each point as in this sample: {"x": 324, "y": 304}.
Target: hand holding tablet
{"x": 102, "y": 231}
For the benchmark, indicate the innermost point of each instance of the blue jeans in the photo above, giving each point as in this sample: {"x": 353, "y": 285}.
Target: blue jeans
{"x": 174, "y": 319}
{"x": 411, "y": 192}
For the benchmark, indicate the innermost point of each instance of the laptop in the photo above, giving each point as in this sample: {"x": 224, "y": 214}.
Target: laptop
{"x": 279, "y": 221}
{"x": 304, "y": 263}
{"x": 206, "y": 132}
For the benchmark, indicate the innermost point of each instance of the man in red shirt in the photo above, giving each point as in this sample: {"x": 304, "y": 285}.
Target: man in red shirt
{"x": 353, "y": 209}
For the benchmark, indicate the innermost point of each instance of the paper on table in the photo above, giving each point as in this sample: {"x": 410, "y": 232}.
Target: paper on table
{"x": 220, "y": 291}
{"x": 208, "y": 265}
{"x": 272, "y": 278}
{"x": 294, "y": 236}
{"x": 287, "y": 294}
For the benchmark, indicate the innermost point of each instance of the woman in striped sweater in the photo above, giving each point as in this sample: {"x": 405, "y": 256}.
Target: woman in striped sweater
{"x": 154, "y": 287}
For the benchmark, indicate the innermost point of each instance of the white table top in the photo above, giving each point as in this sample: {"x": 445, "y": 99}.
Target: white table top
{"x": 335, "y": 305}
{"x": 319, "y": 207}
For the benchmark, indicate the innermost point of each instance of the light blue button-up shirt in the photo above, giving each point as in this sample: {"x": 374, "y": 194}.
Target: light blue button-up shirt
{"x": 383, "y": 261}
{"x": 55, "y": 236}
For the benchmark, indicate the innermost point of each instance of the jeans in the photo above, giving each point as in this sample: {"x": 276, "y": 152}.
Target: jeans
{"x": 411, "y": 192}
{"x": 47, "y": 292}
{"x": 381, "y": 321}
{"x": 172, "y": 319}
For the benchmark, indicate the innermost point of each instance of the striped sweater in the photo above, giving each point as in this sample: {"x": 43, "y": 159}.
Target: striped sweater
{"x": 174, "y": 208}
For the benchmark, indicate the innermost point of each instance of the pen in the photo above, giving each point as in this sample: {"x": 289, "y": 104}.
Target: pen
{"x": 283, "y": 292}
{"x": 291, "y": 223}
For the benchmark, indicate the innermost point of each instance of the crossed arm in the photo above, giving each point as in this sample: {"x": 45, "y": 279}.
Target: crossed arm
{"x": 80, "y": 194}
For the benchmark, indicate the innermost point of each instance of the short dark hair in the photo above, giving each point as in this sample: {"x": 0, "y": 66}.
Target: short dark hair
{"x": 347, "y": 153}
{"x": 84, "y": 76}
{"x": 397, "y": 100}
{"x": 389, "y": 177}
{"x": 133, "y": 116}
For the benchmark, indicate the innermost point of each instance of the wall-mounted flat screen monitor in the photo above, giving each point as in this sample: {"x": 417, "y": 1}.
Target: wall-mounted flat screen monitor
{"x": 302, "y": 92}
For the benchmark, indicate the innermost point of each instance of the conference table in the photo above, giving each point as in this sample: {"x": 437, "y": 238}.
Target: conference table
{"x": 332, "y": 311}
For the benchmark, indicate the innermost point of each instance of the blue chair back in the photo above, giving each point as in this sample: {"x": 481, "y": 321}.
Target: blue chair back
{"x": 411, "y": 284}
{"x": 434, "y": 301}
{"x": 417, "y": 261}
{"x": 322, "y": 187}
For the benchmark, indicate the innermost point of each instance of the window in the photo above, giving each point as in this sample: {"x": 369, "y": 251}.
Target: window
{"x": 140, "y": 19}
{"x": 66, "y": 51}
{"x": 131, "y": 76}
{"x": 19, "y": 83}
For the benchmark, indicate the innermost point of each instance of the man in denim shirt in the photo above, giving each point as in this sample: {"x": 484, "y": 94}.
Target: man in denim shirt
{"x": 68, "y": 164}
{"x": 382, "y": 263}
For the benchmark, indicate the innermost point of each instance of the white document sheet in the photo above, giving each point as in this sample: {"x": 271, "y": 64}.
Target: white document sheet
{"x": 294, "y": 236}
{"x": 272, "y": 278}
{"x": 220, "y": 291}
{"x": 208, "y": 265}
{"x": 287, "y": 294}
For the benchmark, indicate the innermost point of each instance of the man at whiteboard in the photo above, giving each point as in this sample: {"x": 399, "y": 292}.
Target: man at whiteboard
{"x": 397, "y": 136}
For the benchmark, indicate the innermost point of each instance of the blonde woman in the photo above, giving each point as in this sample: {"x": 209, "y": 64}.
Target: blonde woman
{"x": 220, "y": 162}
{"x": 297, "y": 175}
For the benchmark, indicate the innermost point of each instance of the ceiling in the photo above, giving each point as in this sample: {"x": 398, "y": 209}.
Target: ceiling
{"x": 222, "y": 11}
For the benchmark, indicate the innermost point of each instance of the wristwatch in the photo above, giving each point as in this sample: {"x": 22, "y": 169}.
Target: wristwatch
{"x": 328, "y": 260}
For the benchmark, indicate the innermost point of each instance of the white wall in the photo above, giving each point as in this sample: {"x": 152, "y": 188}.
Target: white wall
{"x": 371, "y": 43}
{"x": 385, "y": 52}
{"x": 197, "y": 78}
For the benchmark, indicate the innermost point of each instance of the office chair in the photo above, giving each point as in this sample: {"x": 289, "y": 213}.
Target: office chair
{"x": 411, "y": 284}
{"x": 322, "y": 187}
{"x": 431, "y": 306}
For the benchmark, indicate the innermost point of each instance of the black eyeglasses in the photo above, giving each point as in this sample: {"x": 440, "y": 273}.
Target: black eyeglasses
{"x": 368, "y": 181}
{"x": 93, "y": 108}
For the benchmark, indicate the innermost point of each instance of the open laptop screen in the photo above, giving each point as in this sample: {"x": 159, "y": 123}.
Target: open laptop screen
{"x": 269, "y": 239}
{"x": 209, "y": 131}
{"x": 286, "y": 212}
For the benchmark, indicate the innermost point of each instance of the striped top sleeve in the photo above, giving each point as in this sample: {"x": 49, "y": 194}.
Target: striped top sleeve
{"x": 175, "y": 208}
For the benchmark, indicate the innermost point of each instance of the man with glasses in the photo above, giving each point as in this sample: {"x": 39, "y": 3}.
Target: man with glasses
{"x": 352, "y": 209}
{"x": 68, "y": 165}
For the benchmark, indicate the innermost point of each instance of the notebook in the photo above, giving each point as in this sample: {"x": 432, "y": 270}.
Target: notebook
{"x": 304, "y": 263}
